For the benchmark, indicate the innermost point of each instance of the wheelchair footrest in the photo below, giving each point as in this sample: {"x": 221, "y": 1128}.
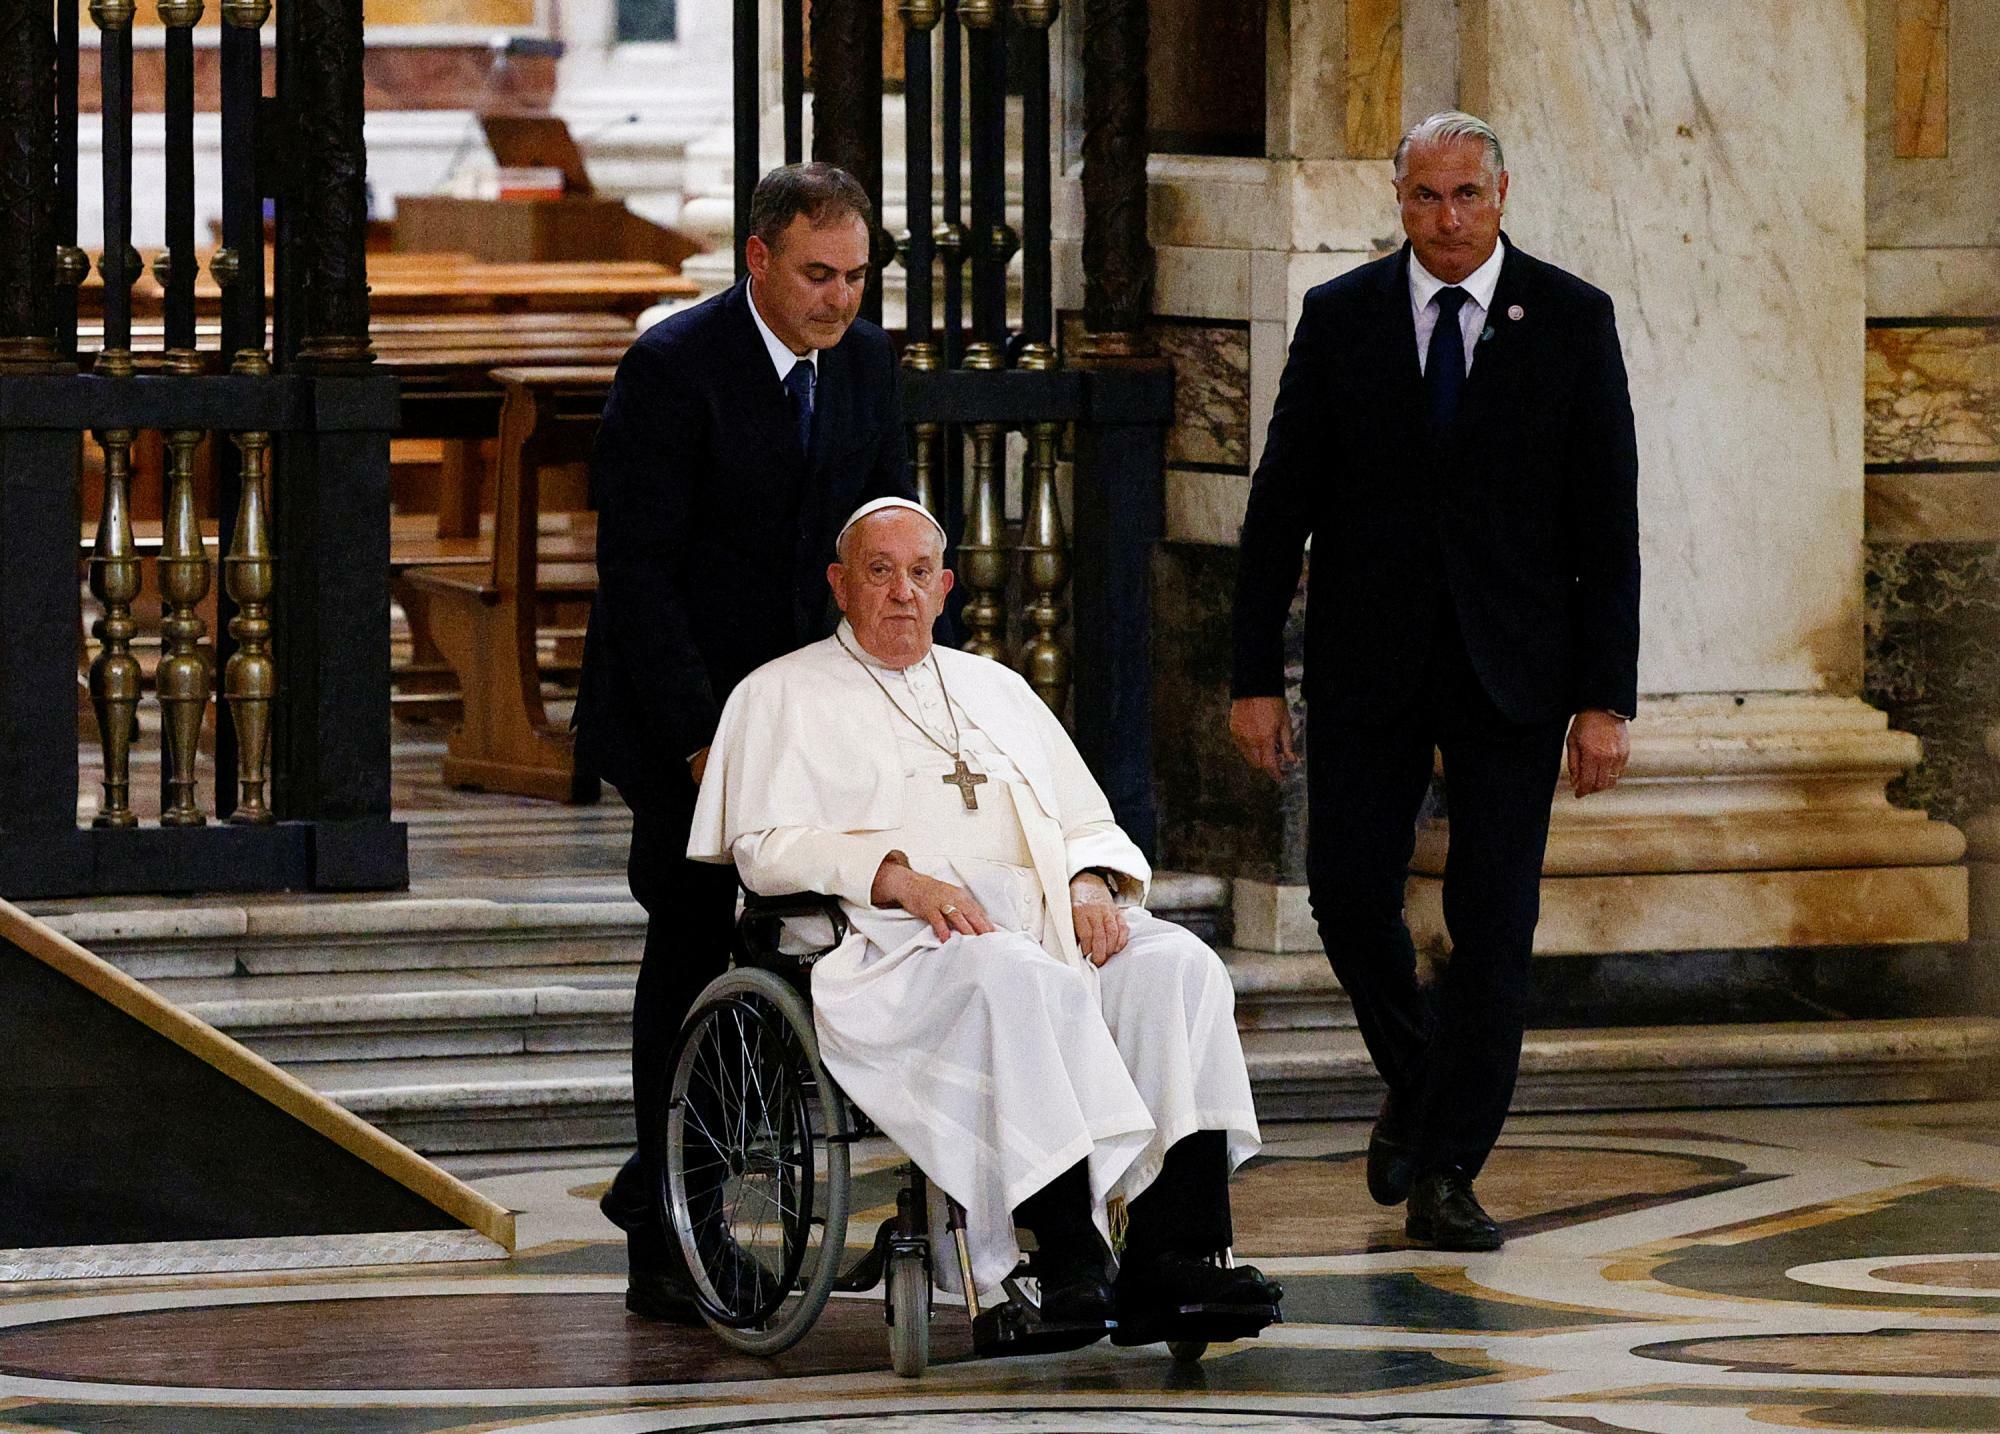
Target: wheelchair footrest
{"x": 1214, "y": 1323}
{"x": 1012, "y": 1328}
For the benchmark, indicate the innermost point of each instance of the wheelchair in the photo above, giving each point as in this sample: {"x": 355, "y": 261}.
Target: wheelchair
{"x": 758, "y": 1145}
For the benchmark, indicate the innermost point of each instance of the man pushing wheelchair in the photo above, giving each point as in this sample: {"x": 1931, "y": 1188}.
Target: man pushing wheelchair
{"x": 1002, "y": 1006}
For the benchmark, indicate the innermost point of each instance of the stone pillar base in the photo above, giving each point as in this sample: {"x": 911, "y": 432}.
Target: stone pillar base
{"x": 1745, "y": 823}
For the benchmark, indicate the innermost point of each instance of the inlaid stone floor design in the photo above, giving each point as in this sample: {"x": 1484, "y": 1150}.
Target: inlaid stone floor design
{"x": 1833, "y": 1269}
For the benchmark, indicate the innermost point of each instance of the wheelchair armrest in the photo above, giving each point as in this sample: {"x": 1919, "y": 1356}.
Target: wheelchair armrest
{"x": 762, "y": 923}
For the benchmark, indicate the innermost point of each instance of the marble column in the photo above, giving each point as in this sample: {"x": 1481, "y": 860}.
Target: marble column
{"x": 1675, "y": 154}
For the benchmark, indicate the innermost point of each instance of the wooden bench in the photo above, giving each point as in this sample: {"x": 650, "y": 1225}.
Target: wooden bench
{"x": 485, "y": 617}
{"x": 423, "y": 284}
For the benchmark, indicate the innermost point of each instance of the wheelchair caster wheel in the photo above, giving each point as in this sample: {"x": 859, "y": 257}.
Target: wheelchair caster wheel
{"x": 1187, "y": 1351}
{"x": 909, "y": 1314}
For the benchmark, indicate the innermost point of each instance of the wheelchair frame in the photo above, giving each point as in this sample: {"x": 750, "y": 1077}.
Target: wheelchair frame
{"x": 750, "y": 1040}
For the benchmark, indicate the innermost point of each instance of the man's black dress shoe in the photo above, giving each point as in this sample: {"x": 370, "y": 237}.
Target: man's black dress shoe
{"x": 1392, "y": 1160}
{"x": 1078, "y": 1294}
{"x": 1445, "y": 1215}
{"x": 652, "y": 1295}
{"x": 1171, "y": 1280}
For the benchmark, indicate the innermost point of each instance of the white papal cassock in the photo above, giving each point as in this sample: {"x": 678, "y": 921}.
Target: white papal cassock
{"x": 995, "y": 1062}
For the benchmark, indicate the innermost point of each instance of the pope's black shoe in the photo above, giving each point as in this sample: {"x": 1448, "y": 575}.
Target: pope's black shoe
{"x": 1392, "y": 1160}
{"x": 1077, "y": 1294}
{"x": 1171, "y": 1280}
{"x": 1445, "y": 1215}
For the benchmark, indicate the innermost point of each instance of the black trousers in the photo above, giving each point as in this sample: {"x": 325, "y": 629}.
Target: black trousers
{"x": 1449, "y": 1055}
{"x": 1184, "y": 1211}
{"x": 690, "y": 910}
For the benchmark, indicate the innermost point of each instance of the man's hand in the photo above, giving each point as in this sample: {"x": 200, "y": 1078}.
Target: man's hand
{"x": 697, "y": 765}
{"x": 1101, "y": 928}
{"x": 1262, "y": 728}
{"x": 1599, "y": 747}
{"x": 948, "y": 908}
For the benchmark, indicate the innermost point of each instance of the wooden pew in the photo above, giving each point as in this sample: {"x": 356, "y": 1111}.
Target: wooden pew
{"x": 485, "y": 617}
{"x": 424, "y": 284}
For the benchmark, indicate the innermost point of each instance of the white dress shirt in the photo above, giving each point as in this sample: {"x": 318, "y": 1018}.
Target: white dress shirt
{"x": 1479, "y": 284}
{"x": 782, "y": 358}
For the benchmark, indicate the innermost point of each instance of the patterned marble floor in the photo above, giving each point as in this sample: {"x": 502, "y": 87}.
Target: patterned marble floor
{"x": 1831, "y": 1269}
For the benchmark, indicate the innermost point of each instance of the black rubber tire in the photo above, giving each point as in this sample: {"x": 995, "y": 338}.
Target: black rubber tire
{"x": 910, "y": 1300}
{"x": 769, "y": 1008}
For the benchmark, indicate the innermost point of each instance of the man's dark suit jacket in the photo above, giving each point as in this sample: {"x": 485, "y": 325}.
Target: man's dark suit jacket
{"x": 1524, "y": 510}
{"x": 714, "y": 529}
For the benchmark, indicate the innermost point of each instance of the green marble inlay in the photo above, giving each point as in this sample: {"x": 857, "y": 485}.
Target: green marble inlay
{"x": 1948, "y": 1220}
{"x": 1933, "y": 664}
{"x": 1400, "y": 1300}
{"x": 1827, "y": 1409}
{"x": 1248, "y": 1369}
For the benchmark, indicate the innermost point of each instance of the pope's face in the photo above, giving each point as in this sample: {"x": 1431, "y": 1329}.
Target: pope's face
{"x": 892, "y": 585}
{"x": 1451, "y": 204}
{"x": 808, "y": 284}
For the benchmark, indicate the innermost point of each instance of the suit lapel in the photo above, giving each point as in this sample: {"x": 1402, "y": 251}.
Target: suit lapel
{"x": 1399, "y": 333}
{"x": 1494, "y": 356}
{"x": 830, "y": 395}
{"x": 763, "y": 392}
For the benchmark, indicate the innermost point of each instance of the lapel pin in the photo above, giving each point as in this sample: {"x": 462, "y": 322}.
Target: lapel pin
{"x": 1486, "y": 333}
{"x": 1517, "y": 313}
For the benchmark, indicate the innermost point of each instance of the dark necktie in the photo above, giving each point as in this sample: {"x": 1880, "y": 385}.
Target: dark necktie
{"x": 799, "y": 387}
{"x": 1444, "y": 367}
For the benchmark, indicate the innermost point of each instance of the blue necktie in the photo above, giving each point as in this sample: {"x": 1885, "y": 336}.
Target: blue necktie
{"x": 1444, "y": 367}
{"x": 799, "y": 387}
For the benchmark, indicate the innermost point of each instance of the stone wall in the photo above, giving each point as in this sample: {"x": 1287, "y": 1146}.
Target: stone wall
{"x": 1933, "y": 413}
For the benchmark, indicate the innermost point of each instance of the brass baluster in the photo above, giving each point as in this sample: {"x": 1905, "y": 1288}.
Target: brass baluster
{"x": 250, "y": 679}
{"x": 1044, "y": 556}
{"x": 924, "y": 358}
{"x": 982, "y": 551}
{"x": 183, "y": 676}
{"x": 114, "y": 674}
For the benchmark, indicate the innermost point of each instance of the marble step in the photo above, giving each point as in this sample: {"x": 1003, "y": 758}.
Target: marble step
{"x": 573, "y": 921}
{"x": 1286, "y": 993}
{"x": 544, "y": 1100}
{"x": 1323, "y": 1075}
{"x": 276, "y": 936}
{"x": 409, "y": 1015}
{"x": 460, "y": 1104}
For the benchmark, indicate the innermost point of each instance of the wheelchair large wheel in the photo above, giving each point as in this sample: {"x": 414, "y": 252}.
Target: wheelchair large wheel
{"x": 756, "y": 1162}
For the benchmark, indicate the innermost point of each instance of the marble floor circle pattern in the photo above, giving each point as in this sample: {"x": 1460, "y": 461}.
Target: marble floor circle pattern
{"x": 1727, "y": 1271}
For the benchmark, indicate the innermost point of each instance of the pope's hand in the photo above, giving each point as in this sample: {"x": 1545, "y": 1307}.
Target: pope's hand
{"x": 946, "y": 907}
{"x": 1101, "y": 928}
{"x": 1262, "y": 729}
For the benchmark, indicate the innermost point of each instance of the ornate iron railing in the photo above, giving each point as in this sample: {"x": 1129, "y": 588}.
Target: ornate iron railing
{"x": 1063, "y": 598}
{"x": 298, "y": 789}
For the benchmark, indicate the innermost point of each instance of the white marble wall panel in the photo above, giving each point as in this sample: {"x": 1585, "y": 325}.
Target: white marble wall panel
{"x": 1430, "y": 58}
{"x": 1344, "y": 204}
{"x": 1205, "y": 507}
{"x": 1208, "y": 201}
{"x": 1910, "y": 283}
{"x": 1269, "y": 340}
{"x": 1953, "y": 200}
{"x": 1644, "y": 145}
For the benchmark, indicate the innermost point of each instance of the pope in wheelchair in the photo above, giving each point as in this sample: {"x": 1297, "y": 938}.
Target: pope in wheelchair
{"x": 1001, "y": 1004}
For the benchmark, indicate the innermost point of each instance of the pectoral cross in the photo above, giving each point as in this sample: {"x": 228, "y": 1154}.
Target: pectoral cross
{"x": 965, "y": 779}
